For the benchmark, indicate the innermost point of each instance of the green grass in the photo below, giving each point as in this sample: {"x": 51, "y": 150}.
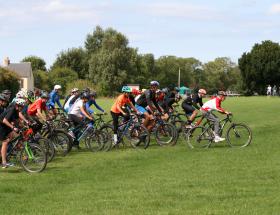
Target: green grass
{"x": 160, "y": 180}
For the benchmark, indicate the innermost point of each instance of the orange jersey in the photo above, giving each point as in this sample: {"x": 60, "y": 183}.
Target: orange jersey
{"x": 121, "y": 101}
{"x": 38, "y": 104}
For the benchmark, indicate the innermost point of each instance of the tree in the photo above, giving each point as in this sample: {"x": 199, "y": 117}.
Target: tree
{"x": 9, "y": 80}
{"x": 111, "y": 62}
{"x": 75, "y": 59}
{"x": 37, "y": 63}
{"x": 260, "y": 67}
{"x": 62, "y": 76}
{"x": 41, "y": 80}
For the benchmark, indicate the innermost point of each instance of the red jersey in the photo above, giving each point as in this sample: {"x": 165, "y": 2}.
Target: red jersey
{"x": 38, "y": 104}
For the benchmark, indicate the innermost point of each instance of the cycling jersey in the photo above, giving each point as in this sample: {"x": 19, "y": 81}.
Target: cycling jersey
{"x": 76, "y": 108}
{"x": 147, "y": 99}
{"x": 213, "y": 104}
{"x": 121, "y": 101}
{"x": 11, "y": 114}
{"x": 193, "y": 100}
{"x": 38, "y": 104}
{"x": 54, "y": 98}
{"x": 67, "y": 103}
{"x": 92, "y": 102}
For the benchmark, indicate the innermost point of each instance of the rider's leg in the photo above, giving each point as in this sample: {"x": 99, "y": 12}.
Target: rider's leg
{"x": 115, "y": 117}
{"x": 195, "y": 112}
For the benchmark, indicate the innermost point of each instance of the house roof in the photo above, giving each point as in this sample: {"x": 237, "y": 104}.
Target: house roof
{"x": 22, "y": 69}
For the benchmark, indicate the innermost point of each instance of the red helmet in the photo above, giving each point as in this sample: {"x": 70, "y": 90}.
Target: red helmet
{"x": 136, "y": 92}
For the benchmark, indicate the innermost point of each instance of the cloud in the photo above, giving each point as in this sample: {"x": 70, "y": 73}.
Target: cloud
{"x": 183, "y": 10}
{"x": 274, "y": 9}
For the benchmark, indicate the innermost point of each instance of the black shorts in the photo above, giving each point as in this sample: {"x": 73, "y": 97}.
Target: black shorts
{"x": 4, "y": 131}
{"x": 189, "y": 109}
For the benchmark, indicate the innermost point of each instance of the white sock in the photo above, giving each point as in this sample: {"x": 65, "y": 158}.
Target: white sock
{"x": 115, "y": 138}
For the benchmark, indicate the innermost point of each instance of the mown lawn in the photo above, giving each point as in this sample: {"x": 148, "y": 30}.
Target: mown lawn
{"x": 160, "y": 180}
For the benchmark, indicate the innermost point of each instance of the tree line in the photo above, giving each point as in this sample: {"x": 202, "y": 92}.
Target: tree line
{"x": 106, "y": 62}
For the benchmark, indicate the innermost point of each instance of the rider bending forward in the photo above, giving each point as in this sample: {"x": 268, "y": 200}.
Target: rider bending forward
{"x": 207, "y": 111}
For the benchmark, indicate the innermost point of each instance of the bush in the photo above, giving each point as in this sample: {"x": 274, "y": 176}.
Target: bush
{"x": 9, "y": 80}
{"x": 80, "y": 84}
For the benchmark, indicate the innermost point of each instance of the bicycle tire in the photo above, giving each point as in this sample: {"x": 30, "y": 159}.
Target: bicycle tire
{"x": 199, "y": 137}
{"x": 94, "y": 141}
{"x": 164, "y": 134}
{"x": 108, "y": 129}
{"x": 38, "y": 158}
{"x": 47, "y": 146}
{"x": 62, "y": 142}
{"x": 139, "y": 137}
{"x": 237, "y": 131}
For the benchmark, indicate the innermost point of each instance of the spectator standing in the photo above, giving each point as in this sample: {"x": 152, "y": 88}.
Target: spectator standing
{"x": 274, "y": 90}
{"x": 268, "y": 92}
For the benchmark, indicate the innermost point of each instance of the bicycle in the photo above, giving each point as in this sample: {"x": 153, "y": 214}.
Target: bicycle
{"x": 137, "y": 135}
{"x": 237, "y": 134}
{"x": 31, "y": 156}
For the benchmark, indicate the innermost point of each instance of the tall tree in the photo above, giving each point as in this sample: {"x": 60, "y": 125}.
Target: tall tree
{"x": 37, "y": 63}
{"x": 9, "y": 80}
{"x": 260, "y": 67}
{"x": 75, "y": 59}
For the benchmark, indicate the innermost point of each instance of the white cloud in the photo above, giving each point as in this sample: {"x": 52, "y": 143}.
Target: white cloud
{"x": 274, "y": 9}
{"x": 184, "y": 10}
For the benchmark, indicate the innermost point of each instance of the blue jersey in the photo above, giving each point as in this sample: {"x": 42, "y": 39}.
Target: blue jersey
{"x": 92, "y": 102}
{"x": 54, "y": 98}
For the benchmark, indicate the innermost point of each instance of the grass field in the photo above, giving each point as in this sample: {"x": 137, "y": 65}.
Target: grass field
{"x": 160, "y": 180}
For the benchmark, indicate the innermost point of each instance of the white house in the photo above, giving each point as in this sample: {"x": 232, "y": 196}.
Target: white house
{"x": 23, "y": 70}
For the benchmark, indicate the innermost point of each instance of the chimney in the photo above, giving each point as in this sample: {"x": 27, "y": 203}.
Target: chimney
{"x": 6, "y": 62}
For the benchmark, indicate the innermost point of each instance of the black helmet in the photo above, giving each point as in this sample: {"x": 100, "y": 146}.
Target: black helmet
{"x": 30, "y": 93}
{"x": 85, "y": 95}
{"x": 93, "y": 93}
{"x": 44, "y": 94}
{"x": 86, "y": 90}
{"x": 2, "y": 97}
{"x": 6, "y": 92}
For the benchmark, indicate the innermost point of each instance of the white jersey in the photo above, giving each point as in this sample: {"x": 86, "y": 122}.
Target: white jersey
{"x": 67, "y": 104}
{"x": 213, "y": 104}
{"x": 76, "y": 108}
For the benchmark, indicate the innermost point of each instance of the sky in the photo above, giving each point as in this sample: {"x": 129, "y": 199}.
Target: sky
{"x": 192, "y": 28}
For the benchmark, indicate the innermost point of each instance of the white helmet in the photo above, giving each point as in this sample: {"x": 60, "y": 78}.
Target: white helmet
{"x": 74, "y": 90}
{"x": 20, "y": 102}
{"x": 57, "y": 87}
{"x": 21, "y": 94}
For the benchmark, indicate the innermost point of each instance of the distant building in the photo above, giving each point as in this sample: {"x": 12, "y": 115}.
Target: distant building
{"x": 23, "y": 70}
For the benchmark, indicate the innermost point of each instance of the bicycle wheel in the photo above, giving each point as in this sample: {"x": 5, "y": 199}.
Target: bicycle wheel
{"x": 108, "y": 129}
{"x": 33, "y": 158}
{"x": 139, "y": 137}
{"x": 164, "y": 134}
{"x": 199, "y": 137}
{"x": 94, "y": 141}
{"x": 62, "y": 142}
{"x": 239, "y": 135}
{"x": 47, "y": 146}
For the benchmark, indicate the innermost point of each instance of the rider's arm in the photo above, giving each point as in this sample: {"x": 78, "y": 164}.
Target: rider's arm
{"x": 97, "y": 106}
{"x": 40, "y": 114}
{"x": 132, "y": 106}
{"x": 85, "y": 113}
{"x": 21, "y": 116}
{"x": 219, "y": 108}
{"x": 58, "y": 102}
{"x": 89, "y": 110}
{"x": 7, "y": 123}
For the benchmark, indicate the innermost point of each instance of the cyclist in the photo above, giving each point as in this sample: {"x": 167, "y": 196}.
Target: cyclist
{"x": 3, "y": 103}
{"x": 74, "y": 92}
{"x": 117, "y": 109}
{"x": 77, "y": 114}
{"x": 215, "y": 105}
{"x": 36, "y": 109}
{"x": 192, "y": 104}
{"x": 171, "y": 98}
{"x": 7, "y": 94}
{"x": 148, "y": 100}
{"x": 7, "y": 126}
{"x": 92, "y": 101}
{"x": 54, "y": 98}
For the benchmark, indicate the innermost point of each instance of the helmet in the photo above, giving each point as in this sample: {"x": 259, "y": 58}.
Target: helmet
{"x": 6, "y": 92}
{"x": 154, "y": 83}
{"x": 57, "y": 87}
{"x": 126, "y": 89}
{"x": 165, "y": 90}
{"x": 93, "y": 93}
{"x": 44, "y": 95}
{"x": 2, "y": 97}
{"x": 21, "y": 94}
{"x": 85, "y": 95}
{"x": 136, "y": 92}
{"x": 222, "y": 93}
{"x": 202, "y": 91}
{"x": 86, "y": 90}
{"x": 158, "y": 91}
{"x": 20, "y": 101}
{"x": 30, "y": 94}
{"x": 74, "y": 90}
